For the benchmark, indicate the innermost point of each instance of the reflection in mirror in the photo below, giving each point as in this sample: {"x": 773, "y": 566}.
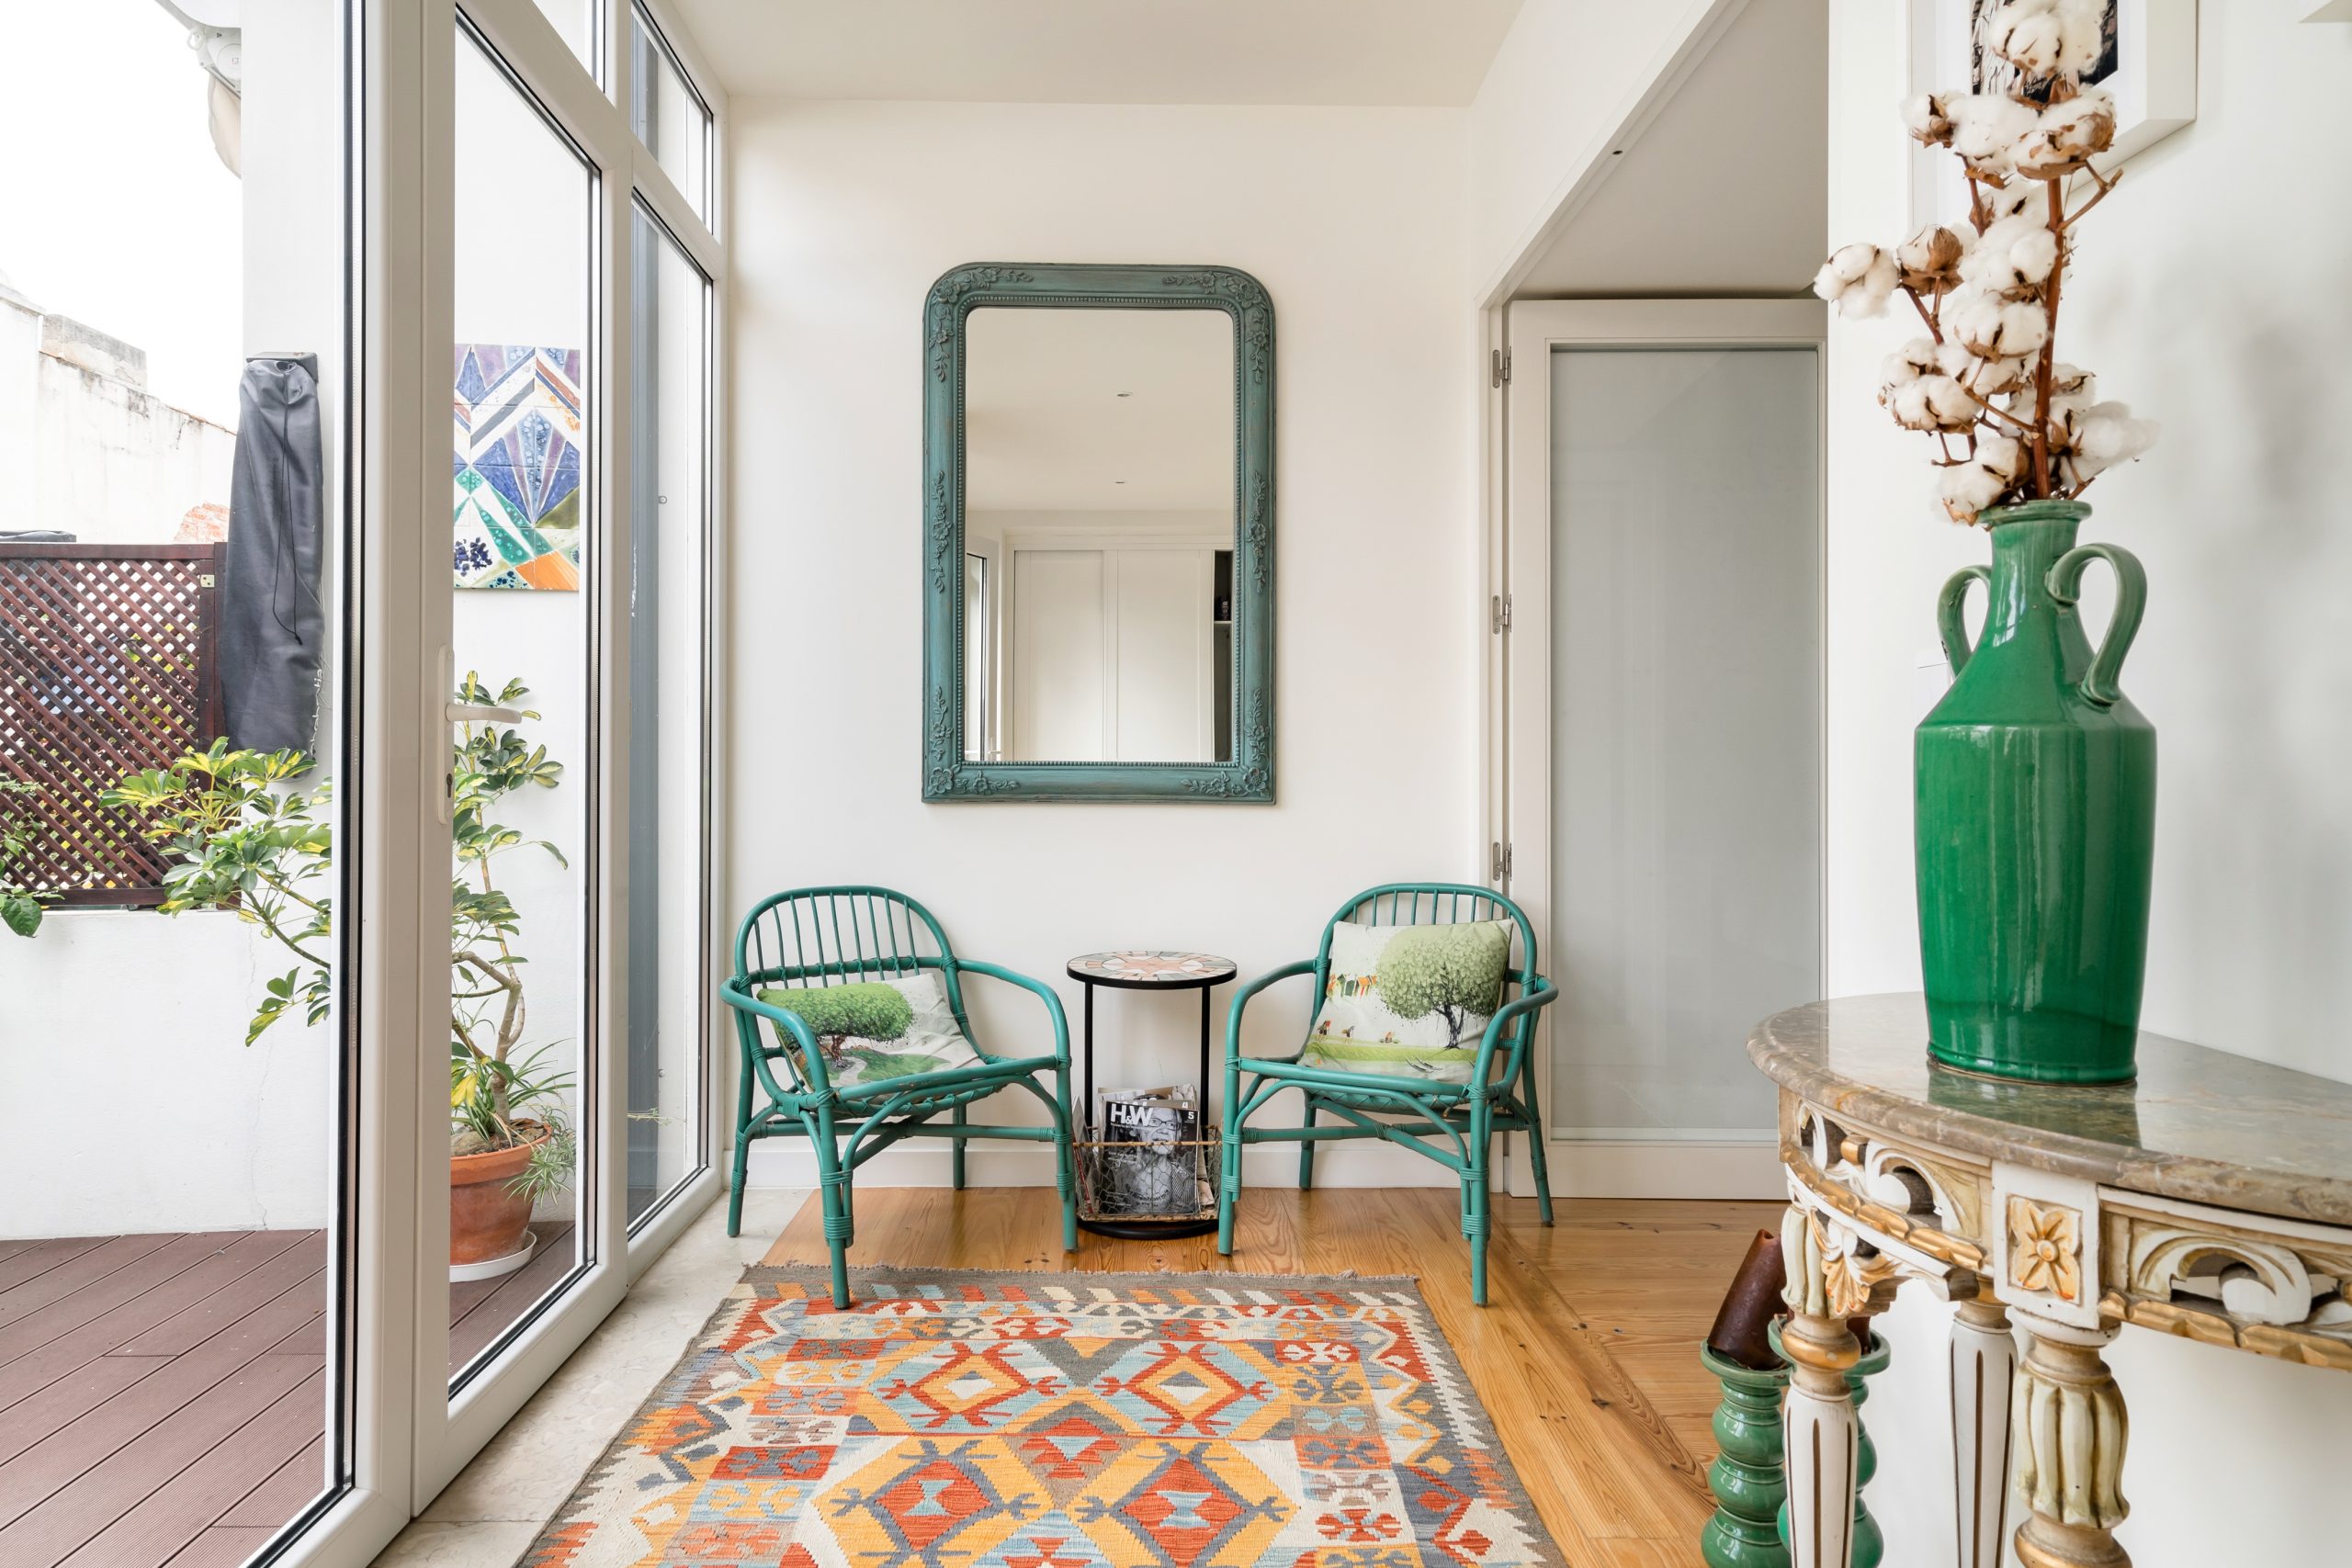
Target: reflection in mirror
{"x": 1098, "y": 535}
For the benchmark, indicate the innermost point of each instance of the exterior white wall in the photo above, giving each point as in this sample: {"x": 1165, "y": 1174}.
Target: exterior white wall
{"x": 86, "y": 448}
{"x": 1353, "y": 219}
{"x": 131, "y": 1100}
{"x": 2209, "y": 295}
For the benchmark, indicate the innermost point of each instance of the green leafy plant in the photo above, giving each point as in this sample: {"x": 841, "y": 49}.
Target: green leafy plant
{"x": 239, "y": 840}
{"x": 20, "y": 828}
{"x": 498, "y": 1098}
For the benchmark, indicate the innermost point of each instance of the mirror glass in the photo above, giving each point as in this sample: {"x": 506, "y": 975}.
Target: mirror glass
{"x": 1098, "y": 535}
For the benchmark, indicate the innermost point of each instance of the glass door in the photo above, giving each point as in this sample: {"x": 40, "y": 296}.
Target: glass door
{"x": 570, "y": 617}
{"x": 1664, "y": 740}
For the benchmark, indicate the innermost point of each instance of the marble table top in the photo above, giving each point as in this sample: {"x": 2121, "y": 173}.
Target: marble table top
{"x": 2199, "y": 1124}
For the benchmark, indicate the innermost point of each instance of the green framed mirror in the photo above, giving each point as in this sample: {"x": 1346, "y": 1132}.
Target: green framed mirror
{"x": 1098, "y": 535}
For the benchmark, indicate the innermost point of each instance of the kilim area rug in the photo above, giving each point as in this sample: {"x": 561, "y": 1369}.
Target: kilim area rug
{"x": 973, "y": 1420}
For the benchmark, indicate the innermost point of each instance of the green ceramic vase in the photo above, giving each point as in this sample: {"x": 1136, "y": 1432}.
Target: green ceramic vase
{"x": 2036, "y": 817}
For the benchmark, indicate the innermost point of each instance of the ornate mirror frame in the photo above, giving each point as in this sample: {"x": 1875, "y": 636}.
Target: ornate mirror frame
{"x": 1249, "y": 776}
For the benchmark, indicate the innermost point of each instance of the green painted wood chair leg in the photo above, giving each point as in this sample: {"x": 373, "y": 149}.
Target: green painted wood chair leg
{"x": 958, "y": 1118}
{"x": 1228, "y": 1176}
{"x": 1869, "y": 1545}
{"x": 743, "y": 1150}
{"x": 1748, "y": 1477}
{"x": 1307, "y": 1149}
{"x": 1537, "y": 1164}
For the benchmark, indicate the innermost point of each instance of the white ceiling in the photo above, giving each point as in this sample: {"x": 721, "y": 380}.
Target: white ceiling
{"x": 1102, "y": 52}
{"x": 1098, "y": 410}
{"x": 1725, "y": 191}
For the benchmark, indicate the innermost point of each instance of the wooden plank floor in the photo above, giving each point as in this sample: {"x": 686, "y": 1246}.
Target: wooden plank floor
{"x": 1587, "y": 1360}
{"x": 163, "y": 1398}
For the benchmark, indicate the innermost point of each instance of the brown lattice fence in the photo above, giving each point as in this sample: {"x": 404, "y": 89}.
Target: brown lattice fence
{"x": 106, "y": 665}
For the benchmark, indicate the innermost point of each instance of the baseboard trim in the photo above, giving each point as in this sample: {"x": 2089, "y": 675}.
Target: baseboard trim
{"x": 1627, "y": 1168}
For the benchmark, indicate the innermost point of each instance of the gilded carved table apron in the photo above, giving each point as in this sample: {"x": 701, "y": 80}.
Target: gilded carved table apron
{"x": 2213, "y": 1199}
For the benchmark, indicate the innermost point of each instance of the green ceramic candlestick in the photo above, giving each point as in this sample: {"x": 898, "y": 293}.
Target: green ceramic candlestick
{"x": 1747, "y": 1478}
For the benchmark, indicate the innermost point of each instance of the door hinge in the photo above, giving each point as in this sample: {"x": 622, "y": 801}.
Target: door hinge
{"x": 1501, "y": 362}
{"x": 1501, "y": 872}
{"x": 1499, "y": 613}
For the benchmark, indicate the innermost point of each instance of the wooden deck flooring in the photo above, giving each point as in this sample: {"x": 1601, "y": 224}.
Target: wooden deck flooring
{"x": 163, "y": 1398}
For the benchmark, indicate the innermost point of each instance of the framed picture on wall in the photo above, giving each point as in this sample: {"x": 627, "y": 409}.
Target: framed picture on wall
{"x": 2149, "y": 64}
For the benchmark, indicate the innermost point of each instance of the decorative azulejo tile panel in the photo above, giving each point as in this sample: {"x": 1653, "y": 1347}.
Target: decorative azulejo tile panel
{"x": 518, "y": 438}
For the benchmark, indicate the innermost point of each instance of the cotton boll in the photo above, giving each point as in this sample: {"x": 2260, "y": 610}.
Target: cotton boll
{"x": 1971, "y": 486}
{"x": 1932, "y": 402}
{"x": 1857, "y": 279}
{"x": 2006, "y": 201}
{"x": 2048, "y": 38}
{"x": 1920, "y": 356}
{"x": 1924, "y": 117}
{"x": 2071, "y": 387}
{"x": 1991, "y": 328}
{"x": 2104, "y": 435}
{"x": 1985, "y": 377}
{"x": 1968, "y": 489}
{"x": 1985, "y": 128}
{"x": 2013, "y": 258}
{"x": 1929, "y": 260}
{"x": 2067, "y": 136}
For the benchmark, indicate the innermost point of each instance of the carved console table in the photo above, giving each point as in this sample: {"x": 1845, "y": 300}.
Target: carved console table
{"x": 2211, "y": 1199}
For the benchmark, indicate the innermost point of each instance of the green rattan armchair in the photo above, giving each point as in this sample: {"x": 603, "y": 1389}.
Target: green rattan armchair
{"x": 1452, "y": 1124}
{"x": 824, "y": 937}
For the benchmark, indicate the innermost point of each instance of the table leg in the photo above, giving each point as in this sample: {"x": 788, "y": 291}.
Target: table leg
{"x": 1086, "y": 1107}
{"x": 1984, "y": 1361}
{"x": 1824, "y": 1436}
{"x": 2070, "y": 1417}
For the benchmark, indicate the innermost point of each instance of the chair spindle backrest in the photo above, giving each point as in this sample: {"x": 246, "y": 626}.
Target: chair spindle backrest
{"x": 839, "y": 936}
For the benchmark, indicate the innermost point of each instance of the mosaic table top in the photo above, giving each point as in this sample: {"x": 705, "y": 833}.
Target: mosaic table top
{"x": 2199, "y": 1124}
{"x": 1149, "y": 969}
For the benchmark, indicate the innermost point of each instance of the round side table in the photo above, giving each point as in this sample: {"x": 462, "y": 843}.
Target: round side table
{"x": 1142, "y": 970}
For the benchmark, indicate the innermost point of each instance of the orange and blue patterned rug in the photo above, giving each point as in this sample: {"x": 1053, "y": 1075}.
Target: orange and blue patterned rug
{"x": 970, "y": 1420}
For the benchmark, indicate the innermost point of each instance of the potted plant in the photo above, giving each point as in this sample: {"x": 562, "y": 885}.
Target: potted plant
{"x": 242, "y": 836}
{"x": 510, "y": 1144}
{"x": 2035, "y": 775}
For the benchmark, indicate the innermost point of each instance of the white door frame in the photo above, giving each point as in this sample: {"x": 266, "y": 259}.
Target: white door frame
{"x": 1518, "y": 760}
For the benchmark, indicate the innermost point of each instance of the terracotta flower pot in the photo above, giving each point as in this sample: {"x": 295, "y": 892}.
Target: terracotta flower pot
{"x": 487, "y": 1217}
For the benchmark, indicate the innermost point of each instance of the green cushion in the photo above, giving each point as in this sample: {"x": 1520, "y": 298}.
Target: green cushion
{"x": 879, "y": 1029}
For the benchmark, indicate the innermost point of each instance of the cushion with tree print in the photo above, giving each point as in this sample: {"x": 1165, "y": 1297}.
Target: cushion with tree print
{"x": 1410, "y": 1001}
{"x": 879, "y": 1029}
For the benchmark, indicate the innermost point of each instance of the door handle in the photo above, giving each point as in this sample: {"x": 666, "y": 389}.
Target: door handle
{"x": 454, "y": 714}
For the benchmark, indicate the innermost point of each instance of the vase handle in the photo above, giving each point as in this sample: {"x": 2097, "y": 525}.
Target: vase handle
{"x": 2064, "y": 583}
{"x": 1951, "y": 625}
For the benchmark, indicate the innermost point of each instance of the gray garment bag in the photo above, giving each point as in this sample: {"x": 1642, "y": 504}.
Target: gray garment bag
{"x": 271, "y": 621}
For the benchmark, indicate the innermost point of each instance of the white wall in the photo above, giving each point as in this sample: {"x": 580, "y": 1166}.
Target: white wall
{"x": 2236, "y": 345}
{"x": 1571, "y": 76}
{"x": 1353, "y": 219}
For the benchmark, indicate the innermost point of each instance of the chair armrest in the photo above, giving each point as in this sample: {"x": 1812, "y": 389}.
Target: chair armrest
{"x": 1534, "y": 992}
{"x": 812, "y": 1060}
{"x": 1241, "y": 999}
{"x": 1044, "y": 993}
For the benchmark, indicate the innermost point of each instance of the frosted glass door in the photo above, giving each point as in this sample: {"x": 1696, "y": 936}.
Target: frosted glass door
{"x": 1686, "y": 730}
